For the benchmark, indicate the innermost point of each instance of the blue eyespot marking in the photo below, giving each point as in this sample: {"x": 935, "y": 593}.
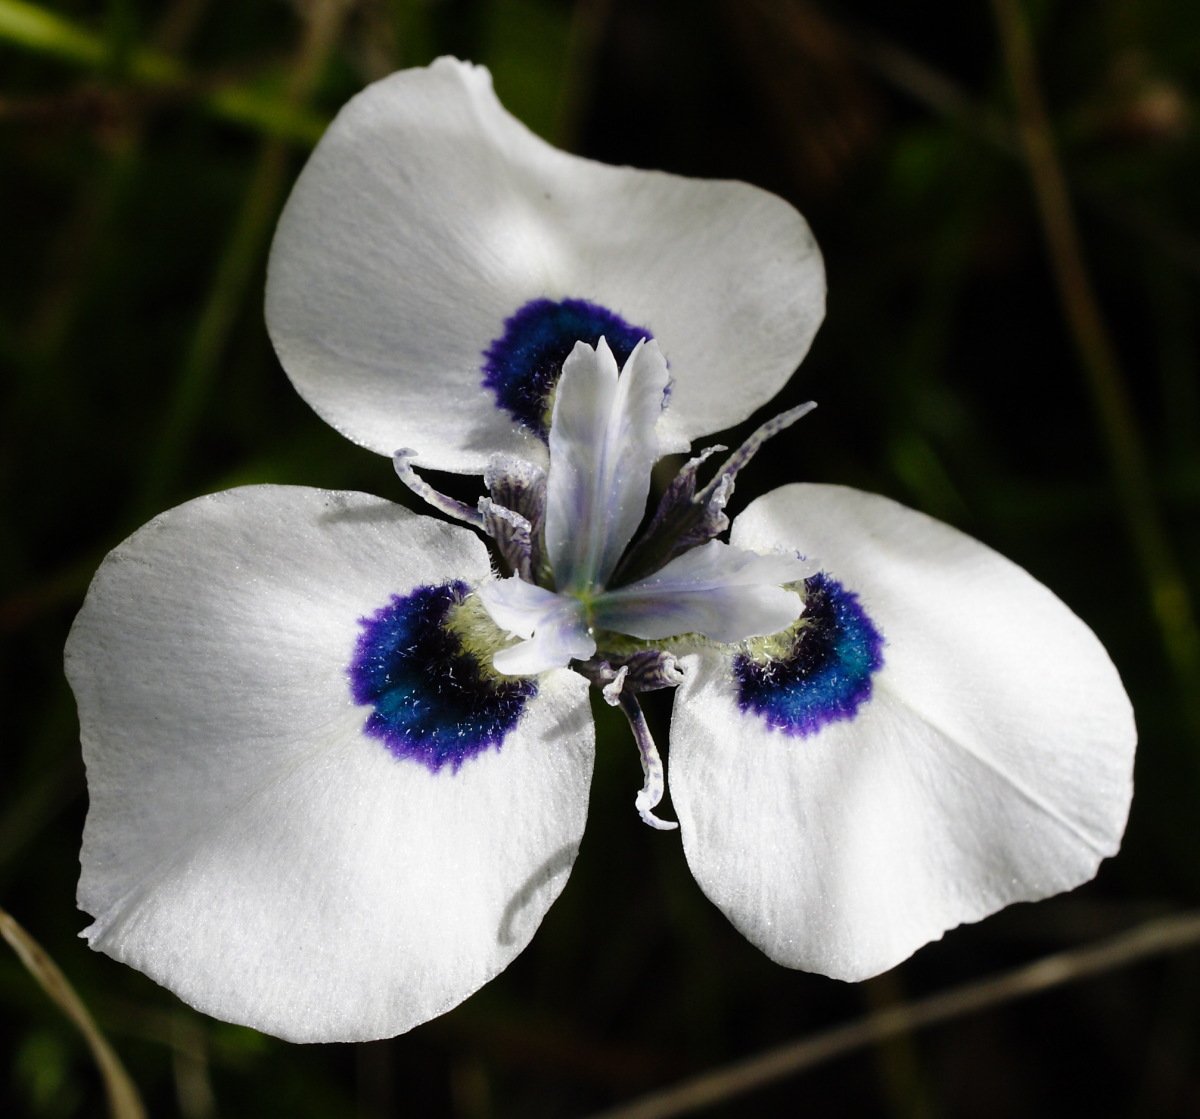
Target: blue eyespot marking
{"x": 827, "y": 675}
{"x": 522, "y": 366}
{"x": 433, "y": 701}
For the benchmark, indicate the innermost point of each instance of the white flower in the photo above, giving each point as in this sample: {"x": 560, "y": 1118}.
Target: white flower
{"x": 330, "y": 797}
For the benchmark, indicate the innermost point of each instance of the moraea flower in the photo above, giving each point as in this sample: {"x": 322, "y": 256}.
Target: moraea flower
{"x": 339, "y": 763}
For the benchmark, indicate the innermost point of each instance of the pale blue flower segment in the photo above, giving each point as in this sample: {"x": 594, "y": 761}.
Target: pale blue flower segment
{"x": 827, "y": 676}
{"x": 433, "y": 701}
{"x": 523, "y": 365}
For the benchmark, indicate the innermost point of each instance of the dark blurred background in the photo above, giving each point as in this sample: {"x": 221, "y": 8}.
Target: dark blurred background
{"x": 967, "y": 367}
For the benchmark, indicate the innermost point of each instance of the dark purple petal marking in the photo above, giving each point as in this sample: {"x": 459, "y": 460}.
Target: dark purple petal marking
{"x": 433, "y": 702}
{"x": 523, "y": 365}
{"x": 827, "y": 675}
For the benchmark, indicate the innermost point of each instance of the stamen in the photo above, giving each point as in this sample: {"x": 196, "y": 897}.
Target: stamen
{"x": 720, "y": 489}
{"x": 513, "y": 535}
{"x": 653, "y": 669}
{"x": 518, "y": 487}
{"x": 686, "y": 519}
{"x": 673, "y": 528}
{"x": 612, "y": 690}
{"x": 443, "y": 504}
{"x": 646, "y": 670}
{"x": 653, "y": 783}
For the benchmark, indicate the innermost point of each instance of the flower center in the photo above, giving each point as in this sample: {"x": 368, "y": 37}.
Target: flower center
{"x": 523, "y": 365}
{"x": 435, "y": 697}
{"x": 604, "y": 441}
{"x": 817, "y": 672}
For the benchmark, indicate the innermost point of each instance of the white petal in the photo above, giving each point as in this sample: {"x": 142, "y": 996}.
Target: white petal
{"x": 724, "y": 593}
{"x": 427, "y": 216}
{"x": 247, "y": 844}
{"x": 991, "y": 764}
{"x": 517, "y": 606}
{"x": 553, "y": 624}
{"x": 602, "y": 449}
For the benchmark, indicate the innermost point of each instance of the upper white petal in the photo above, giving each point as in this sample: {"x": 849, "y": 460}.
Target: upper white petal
{"x": 602, "y": 448}
{"x": 428, "y": 215}
{"x": 992, "y": 764}
{"x": 247, "y": 845}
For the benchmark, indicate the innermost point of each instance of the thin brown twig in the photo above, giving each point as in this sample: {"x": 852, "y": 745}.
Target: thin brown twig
{"x": 1154, "y": 938}
{"x": 916, "y": 79}
{"x": 123, "y": 1099}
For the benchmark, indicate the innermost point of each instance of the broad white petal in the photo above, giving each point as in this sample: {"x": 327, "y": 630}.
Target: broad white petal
{"x": 602, "y": 449}
{"x": 248, "y": 844}
{"x": 722, "y": 592}
{"x": 428, "y": 216}
{"x": 991, "y": 762}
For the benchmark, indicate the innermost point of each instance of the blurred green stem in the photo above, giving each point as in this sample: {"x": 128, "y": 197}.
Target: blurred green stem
{"x": 39, "y": 30}
{"x": 1170, "y": 600}
{"x": 123, "y": 1099}
{"x": 238, "y": 265}
{"x": 71, "y": 257}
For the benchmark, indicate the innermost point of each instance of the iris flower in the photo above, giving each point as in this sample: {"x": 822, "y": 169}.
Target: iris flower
{"x": 338, "y": 755}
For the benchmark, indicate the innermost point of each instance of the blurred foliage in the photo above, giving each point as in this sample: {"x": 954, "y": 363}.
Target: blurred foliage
{"x": 145, "y": 150}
